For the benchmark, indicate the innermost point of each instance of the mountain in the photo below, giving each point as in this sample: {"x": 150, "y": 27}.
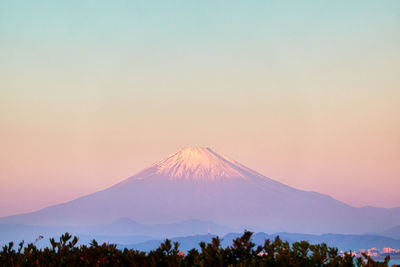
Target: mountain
{"x": 126, "y": 226}
{"x": 393, "y": 232}
{"x": 196, "y": 183}
{"x": 186, "y": 243}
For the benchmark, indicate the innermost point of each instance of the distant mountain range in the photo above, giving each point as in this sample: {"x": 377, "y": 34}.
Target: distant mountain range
{"x": 129, "y": 234}
{"x": 196, "y": 183}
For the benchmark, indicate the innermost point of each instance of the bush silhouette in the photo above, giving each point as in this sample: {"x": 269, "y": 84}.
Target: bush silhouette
{"x": 242, "y": 252}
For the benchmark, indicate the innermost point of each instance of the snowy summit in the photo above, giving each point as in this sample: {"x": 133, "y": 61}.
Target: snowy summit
{"x": 197, "y": 163}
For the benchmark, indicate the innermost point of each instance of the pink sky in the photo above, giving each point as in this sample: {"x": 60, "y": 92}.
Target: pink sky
{"x": 308, "y": 95}
{"x": 45, "y": 160}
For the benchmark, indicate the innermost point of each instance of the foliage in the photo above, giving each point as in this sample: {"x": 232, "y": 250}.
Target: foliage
{"x": 242, "y": 252}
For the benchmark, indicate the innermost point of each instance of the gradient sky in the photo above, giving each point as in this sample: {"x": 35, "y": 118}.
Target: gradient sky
{"x": 305, "y": 92}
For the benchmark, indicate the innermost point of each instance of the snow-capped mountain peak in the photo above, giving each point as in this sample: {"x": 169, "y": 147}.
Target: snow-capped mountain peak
{"x": 198, "y": 163}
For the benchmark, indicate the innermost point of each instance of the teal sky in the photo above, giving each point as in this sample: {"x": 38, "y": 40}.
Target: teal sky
{"x": 305, "y": 92}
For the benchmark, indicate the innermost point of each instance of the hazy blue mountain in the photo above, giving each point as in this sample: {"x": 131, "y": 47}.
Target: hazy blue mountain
{"x": 185, "y": 243}
{"x": 393, "y": 232}
{"x": 198, "y": 184}
{"x": 126, "y": 226}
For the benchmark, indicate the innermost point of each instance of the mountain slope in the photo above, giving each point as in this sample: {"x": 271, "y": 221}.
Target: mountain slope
{"x": 198, "y": 183}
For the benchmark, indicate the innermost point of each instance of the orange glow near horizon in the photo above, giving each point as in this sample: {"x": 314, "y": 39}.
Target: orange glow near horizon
{"x": 311, "y": 100}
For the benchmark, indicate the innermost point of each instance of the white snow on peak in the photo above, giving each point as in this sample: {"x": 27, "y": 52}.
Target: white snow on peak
{"x": 200, "y": 163}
